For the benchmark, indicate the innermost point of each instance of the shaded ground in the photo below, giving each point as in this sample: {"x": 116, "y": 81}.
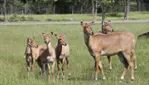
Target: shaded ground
{"x": 146, "y": 34}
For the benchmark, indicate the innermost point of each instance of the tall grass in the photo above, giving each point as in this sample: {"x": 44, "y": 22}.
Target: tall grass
{"x": 12, "y": 62}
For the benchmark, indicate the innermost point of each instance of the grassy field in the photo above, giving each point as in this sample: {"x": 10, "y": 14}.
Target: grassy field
{"x": 76, "y": 17}
{"x": 12, "y": 62}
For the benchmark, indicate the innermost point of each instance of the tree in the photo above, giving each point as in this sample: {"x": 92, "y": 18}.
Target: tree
{"x": 5, "y": 10}
{"x": 138, "y": 5}
{"x": 105, "y": 5}
{"x": 146, "y": 3}
{"x": 127, "y": 9}
{"x": 93, "y": 10}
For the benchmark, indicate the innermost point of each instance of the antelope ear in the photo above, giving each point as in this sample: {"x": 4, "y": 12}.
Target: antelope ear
{"x": 56, "y": 36}
{"x": 37, "y": 45}
{"x": 43, "y": 33}
{"x": 81, "y": 23}
{"x": 109, "y": 22}
{"x": 29, "y": 38}
{"x": 51, "y": 33}
{"x": 33, "y": 37}
{"x": 63, "y": 36}
{"x": 92, "y": 23}
{"x": 106, "y": 23}
{"x": 102, "y": 22}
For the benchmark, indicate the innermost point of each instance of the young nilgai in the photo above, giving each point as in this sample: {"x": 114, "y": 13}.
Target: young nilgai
{"x": 43, "y": 57}
{"x": 62, "y": 54}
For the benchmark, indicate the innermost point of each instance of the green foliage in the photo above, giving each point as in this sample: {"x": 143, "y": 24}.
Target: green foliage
{"x": 114, "y": 15}
{"x": 1, "y": 19}
{"x": 78, "y": 17}
{"x": 15, "y": 18}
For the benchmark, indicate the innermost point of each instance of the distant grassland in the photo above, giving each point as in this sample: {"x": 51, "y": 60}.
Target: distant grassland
{"x": 12, "y": 62}
{"x": 76, "y": 17}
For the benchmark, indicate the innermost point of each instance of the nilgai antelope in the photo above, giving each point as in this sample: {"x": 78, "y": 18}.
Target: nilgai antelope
{"x": 51, "y": 57}
{"x": 62, "y": 54}
{"x": 43, "y": 58}
{"x": 29, "y": 57}
{"x": 108, "y": 27}
{"x": 115, "y": 43}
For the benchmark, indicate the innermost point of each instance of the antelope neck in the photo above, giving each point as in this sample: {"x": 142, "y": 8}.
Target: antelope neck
{"x": 28, "y": 50}
{"x": 62, "y": 44}
{"x": 65, "y": 44}
{"x": 87, "y": 39}
{"x": 49, "y": 45}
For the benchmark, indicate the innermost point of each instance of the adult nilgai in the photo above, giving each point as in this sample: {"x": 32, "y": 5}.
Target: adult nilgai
{"x": 108, "y": 29}
{"x": 115, "y": 43}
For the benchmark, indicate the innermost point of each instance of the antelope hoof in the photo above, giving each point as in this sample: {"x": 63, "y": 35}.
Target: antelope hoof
{"x": 96, "y": 79}
{"x": 132, "y": 78}
{"x": 104, "y": 78}
{"x": 110, "y": 68}
{"x": 69, "y": 74}
{"x": 135, "y": 67}
{"x": 58, "y": 77}
{"x": 63, "y": 77}
{"x": 122, "y": 78}
{"x": 53, "y": 81}
{"x": 61, "y": 57}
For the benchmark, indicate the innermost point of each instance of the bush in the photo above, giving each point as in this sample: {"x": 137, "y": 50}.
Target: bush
{"x": 22, "y": 18}
{"x": 30, "y": 19}
{"x": 114, "y": 15}
{"x": 14, "y": 18}
{"x": 1, "y": 19}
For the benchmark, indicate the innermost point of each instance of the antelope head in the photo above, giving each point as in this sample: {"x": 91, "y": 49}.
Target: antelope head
{"x": 47, "y": 37}
{"x": 61, "y": 39}
{"x": 31, "y": 42}
{"x": 87, "y": 28}
{"x": 107, "y": 26}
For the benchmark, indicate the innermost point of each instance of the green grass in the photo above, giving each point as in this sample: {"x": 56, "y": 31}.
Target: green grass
{"x": 80, "y": 17}
{"x": 12, "y": 62}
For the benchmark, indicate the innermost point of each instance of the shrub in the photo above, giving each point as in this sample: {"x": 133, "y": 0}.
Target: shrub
{"x": 22, "y": 18}
{"x": 114, "y": 15}
{"x": 14, "y": 18}
{"x": 1, "y": 19}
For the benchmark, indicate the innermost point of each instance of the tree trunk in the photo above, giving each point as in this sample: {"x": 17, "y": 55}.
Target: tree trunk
{"x": 72, "y": 9}
{"x": 138, "y": 5}
{"x": 5, "y": 10}
{"x": 127, "y": 9}
{"x": 93, "y": 10}
{"x": 96, "y": 8}
{"x": 103, "y": 17}
{"x": 81, "y": 10}
{"x": 25, "y": 8}
{"x": 53, "y": 8}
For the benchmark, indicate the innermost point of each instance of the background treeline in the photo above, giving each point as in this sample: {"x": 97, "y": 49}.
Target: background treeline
{"x": 69, "y": 6}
